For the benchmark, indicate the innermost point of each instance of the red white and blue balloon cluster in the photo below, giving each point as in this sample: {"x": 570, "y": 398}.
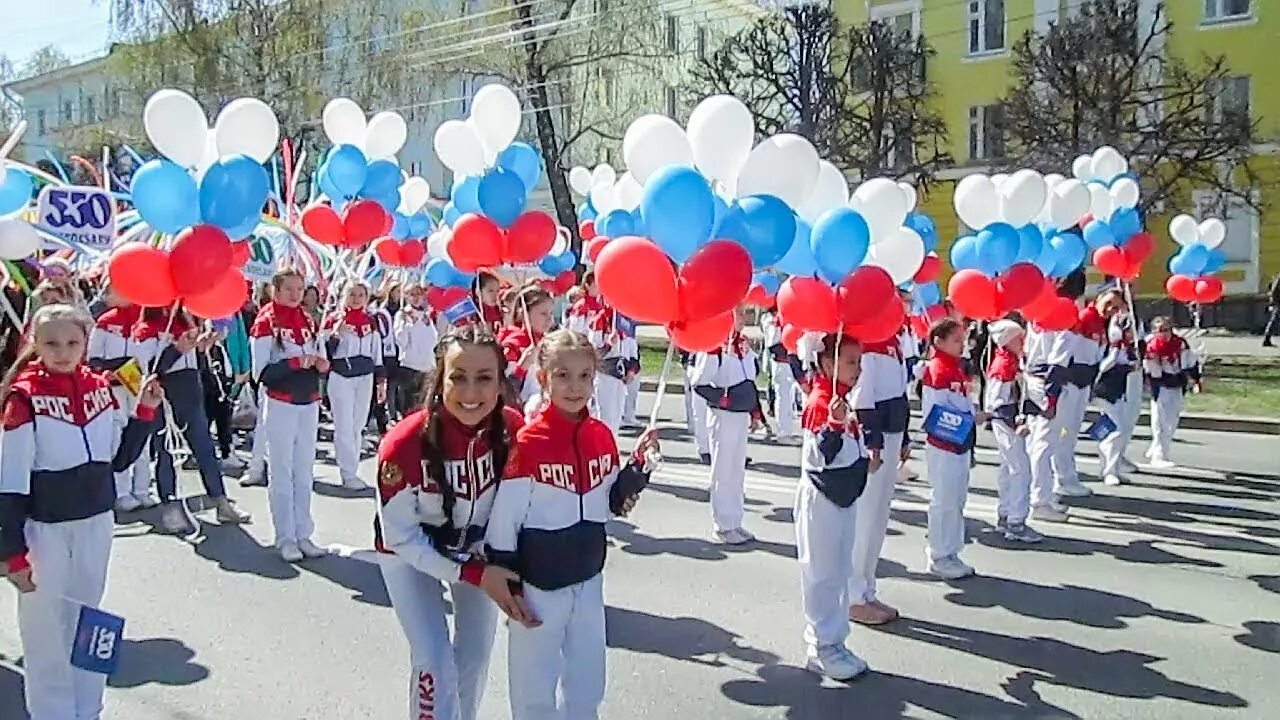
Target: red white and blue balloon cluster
{"x": 1193, "y": 268}
{"x": 17, "y": 238}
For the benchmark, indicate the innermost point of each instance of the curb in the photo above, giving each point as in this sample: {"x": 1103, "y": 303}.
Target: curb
{"x": 1193, "y": 421}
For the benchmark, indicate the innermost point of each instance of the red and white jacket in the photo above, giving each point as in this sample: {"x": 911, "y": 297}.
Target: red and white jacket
{"x": 582, "y": 312}
{"x": 110, "y": 341}
{"x": 1003, "y": 398}
{"x": 834, "y": 456}
{"x": 1169, "y": 362}
{"x": 491, "y": 316}
{"x": 881, "y": 393}
{"x": 562, "y": 483}
{"x": 515, "y": 340}
{"x": 945, "y": 382}
{"x": 412, "y": 523}
{"x": 152, "y": 342}
{"x": 279, "y": 339}
{"x": 59, "y": 451}
{"x": 355, "y": 348}
{"x": 726, "y": 378}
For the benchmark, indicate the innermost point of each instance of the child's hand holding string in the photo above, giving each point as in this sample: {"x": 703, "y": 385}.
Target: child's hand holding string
{"x": 21, "y": 579}
{"x": 151, "y": 394}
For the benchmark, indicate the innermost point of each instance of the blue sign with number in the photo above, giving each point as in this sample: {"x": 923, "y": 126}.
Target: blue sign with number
{"x": 1101, "y": 428}
{"x": 949, "y": 425}
{"x": 86, "y": 215}
{"x": 99, "y": 637}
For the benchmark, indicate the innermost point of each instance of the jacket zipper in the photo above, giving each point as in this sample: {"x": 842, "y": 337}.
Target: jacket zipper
{"x": 84, "y": 435}
{"x": 471, "y": 483}
{"x": 579, "y": 472}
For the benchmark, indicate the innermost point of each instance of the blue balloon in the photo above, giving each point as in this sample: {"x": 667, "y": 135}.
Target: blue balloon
{"x": 769, "y": 282}
{"x": 335, "y": 195}
{"x": 1099, "y": 234}
{"x": 799, "y": 259}
{"x": 763, "y": 225}
{"x": 678, "y": 209}
{"x": 964, "y": 253}
{"x": 924, "y": 226}
{"x": 1190, "y": 260}
{"x": 466, "y": 194}
{"x": 451, "y": 214}
{"x": 1030, "y": 243}
{"x": 389, "y": 202}
{"x": 244, "y": 229}
{"x": 15, "y": 191}
{"x": 419, "y": 225}
{"x": 840, "y": 241}
{"x": 928, "y": 294}
{"x": 1125, "y": 223}
{"x": 997, "y": 245}
{"x": 1217, "y": 259}
{"x": 617, "y": 223}
{"x": 722, "y": 209}
{"x": 382, "y": 178}
{"x": 586, "y": 211}
{"x": 521, "y": 159}
{"x": 399, "y": 226}
{"x": 439, "y": 272}
{"x": 637, "y": 223}
{"x": 233, "y": 189}
{"x": 1069, "y": 251}
{"x": 501, "y": 196}
{"x": 1048, "y": 257}
{"x": 346, "y": 169}
{"x": 166, "y": 196}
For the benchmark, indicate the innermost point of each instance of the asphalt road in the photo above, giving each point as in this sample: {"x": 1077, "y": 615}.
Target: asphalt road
{"x": 1158, "y": 600}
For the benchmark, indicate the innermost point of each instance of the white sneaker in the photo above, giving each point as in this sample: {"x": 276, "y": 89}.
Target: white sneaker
{"x": 906, "y": 474}
{"x": 1160, "y": 463}
{"x": 354, "y": 483}
{"x": 311, "y": 550}
{"x": 949, "y": 568}
{"x": 836, "y": 662}
{"x": 1021, "y": 532}
{"x": 127, "y": 503}
{"x": 146, "y": 499}
{"x": 232, "y": 464}
{"x": 1127, "y": 466}
{"x": 1113, "y": 480}
{"x": 1049, "y": 513}
{"x": 736, "y": 536}
{"x": 1074, "y": 489}
{"x": 290, "y": 552}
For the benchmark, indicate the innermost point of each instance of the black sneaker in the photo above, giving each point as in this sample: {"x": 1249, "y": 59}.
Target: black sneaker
{"x": 705, "y": 458}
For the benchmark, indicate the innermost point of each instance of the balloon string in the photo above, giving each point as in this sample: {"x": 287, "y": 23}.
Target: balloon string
{"x": 89, "y": 168}
{"x": 662, "y": 384}
{"x": 286, "y": 154}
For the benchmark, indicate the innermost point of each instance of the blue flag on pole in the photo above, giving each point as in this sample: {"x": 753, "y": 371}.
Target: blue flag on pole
{"x": 461, "y": 312}
{"x": 99, "y": 636}
{"x": 626, "y": 326}
{"x": 949, "y": 424}
{"x": 1101, "y": 428}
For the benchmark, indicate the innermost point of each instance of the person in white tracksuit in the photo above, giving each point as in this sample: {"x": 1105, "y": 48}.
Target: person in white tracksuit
{"x": 615, "y": 350}
{"x": 109, "y": 350}
{"x": 416, "y": 335}
{"x": 695, "y": 411}
{"x": 1171, "y": 367}
{"x": 354, "y": 347}
{"x": 1118, "y": 393}
{"x": 833, "y": 475}
{"x": 1002, "y": 399}
{"x": 782, "y": 377}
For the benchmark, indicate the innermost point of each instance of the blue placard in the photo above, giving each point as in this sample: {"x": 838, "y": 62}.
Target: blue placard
{"x": 462, "y": 311}
{"x": 85, "y": 215}
{"x": 1101, "y": 428}
{"x": 626, "y": 326}
{"x": 949, "y": 424}
{"x": 99, "y": 637}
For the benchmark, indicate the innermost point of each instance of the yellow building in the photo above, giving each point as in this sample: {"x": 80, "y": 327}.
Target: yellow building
{"x": 971, "y": 72}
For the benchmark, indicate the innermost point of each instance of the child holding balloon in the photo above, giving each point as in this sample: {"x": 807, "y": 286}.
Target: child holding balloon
{"x": 1171, "y": 367}
{"x": 1002, "y": 398}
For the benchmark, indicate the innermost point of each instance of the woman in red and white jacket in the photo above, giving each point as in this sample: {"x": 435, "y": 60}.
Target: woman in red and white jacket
{"x": 109, "y": 350}
{"x": 533, "y": 320}
{"x": 1171, "y": 368}
{"x": 60, "y": 446}
{"x": 288, "y": 361}
{"x": 354, "y": 347}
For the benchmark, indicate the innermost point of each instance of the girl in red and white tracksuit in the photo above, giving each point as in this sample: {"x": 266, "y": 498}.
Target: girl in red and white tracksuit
{"x": 533, "y": 320}
{"x": 833, "y": 475}
{"x": 438, "y": 470}
{"x": 562, "y": 484}
{"x": 1119, "y": 394}
{"x": 1003, "y": 400}
{"x": 354, "y": 347}
{"x": 486, "y": 288}
{"x": 416, "y": 335}
{"x": 288, "y": 361}
{"x": 945, "y": 382}
{"x": 1171, "y": 367}
{"x": 109, "y": 349}
{"x": 60, "y": 446}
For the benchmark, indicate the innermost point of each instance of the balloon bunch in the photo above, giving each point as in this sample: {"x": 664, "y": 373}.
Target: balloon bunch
{"x": 202, "y": 270}
{"x": 17, "y": 238}
{"x": 361, "y": 163}
{"x": 361, "y": 222}
{"x": 1192, "y": 268}
{"x": 1113, "y": 227}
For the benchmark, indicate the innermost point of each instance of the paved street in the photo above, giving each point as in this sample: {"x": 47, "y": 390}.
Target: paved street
{"x": 1159, "y": 600}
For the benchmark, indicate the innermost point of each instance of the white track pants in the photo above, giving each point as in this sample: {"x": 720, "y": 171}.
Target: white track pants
{"x": 873, "y": 522}
{"x": 349, "y": 399}
{"x": 567, "y": 650}
{"x": 727, "y": 436}
{"x": 447, "y": 676}
{"x": 784, "y": 392}
{"x": 1124, "y": 412}
{"x": 949, "y": 487}
{"x": 291, "y": 434}
{"x": 67, "y": 558}
{"x": 611, "y": 397}
{"x": 696, "y": 416}
{"x": 1039, "y": 451}
{"x": 258, "y": 459}
{"x": 137, "y": 478}
{"x": 1013, "y": 479}
{"x": 1166, "y": 410}
{"x": 629, "y": 405}
{"x": 1071, "y": 408}
{"x": 824, "y": 545}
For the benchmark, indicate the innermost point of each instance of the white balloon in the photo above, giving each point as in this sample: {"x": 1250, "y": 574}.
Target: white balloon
{"x": 1125, "y": 192}
{"x": 900, "y": 255}
{"x": 1184, "y": 231}
{"x": 602, "y": 198}
{"x": 414, "y": 193}
{"x": 1022, "y": 197}
{"x": 490, "y": 154}
{"x": 580, "y": 180}
{"x": 1052, "y": 179}
{"x": 459, "y": 148}
{"x": 884, "y": 207}
{"x": 1212, "y": 232}
{"x": 1107, "y": 162}
{"x": 831, "y": 191}
{"x": 247, "y": 126}
{"x": 1082, "y": 168}
{"x": 910, "y": 191}
{"x": 653, "y": 142}
{"x": 1068, "y": 202}
{"x": 17, "y": 239}
{"x": 603, "y": 174}
{"x": 176, "y": 126}
{"x": 721, "y": 131}
{"x": 785, "y": 166}
{"x": 210, "y": 155}
{"x": 627, "y": 192}
{"x": 386, "y": 134}
{"x": 438, "y": 243}
{"x": 344, "y": 122}
{"x": 1100, "y": 203}
{"x": 999, "y": 179}
{"x": 563, "y": 238}
{"x": 496, "y": 114}
{"x": 976, "y": 201}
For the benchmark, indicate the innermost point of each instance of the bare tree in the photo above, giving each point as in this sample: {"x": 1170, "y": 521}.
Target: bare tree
{"x": 859, "y": 93}
{"x": 1104, "y": 77}
{"x": 46, "y": 59}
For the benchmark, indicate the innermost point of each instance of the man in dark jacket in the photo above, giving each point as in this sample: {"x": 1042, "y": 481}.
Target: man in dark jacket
{"x": 1273, "y": 322}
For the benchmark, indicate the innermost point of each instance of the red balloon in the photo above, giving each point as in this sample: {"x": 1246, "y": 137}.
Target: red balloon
{"x": 1019, "y": 285}
{"x": 1063, "y": 316}
{"x": 239, "y": 253}
{"x": 1132, "y": 266}
{"x": 864, "y": 294}
{"x": 1110, "y": 260}
{"x": 594, "y": 246}
{"x": 530, "y": 237}
{"x": 929, "y": 270}
{"x": 442, "y": 298}
{"x": 974, "y": 295}
{"x": 1208, "y": 290}
{"x": 1043, "y": 302}
{"x": 791, "y": 337}
{"x": 323, "y": 225}
{"x": 919, "y": 325}
{"x": 638, "y": 279}
{"x": 702, "y": 335}
{"x": 564, "y": 281}
{"x": 883, "y": 326}
{"x": 714, "y": 280}
{"x": 387, "y": 250}
{"x": 587, "y": 230}
{"x": 1181, "y": 288}
{"x": 224, "y": 299}
{"x": 200, "y": 256}
{"x": 141, "y": 274}
{"x": 476, "y": 243}
{"x": 1140, "y": 246}
{"x": 809, "y": 304}
{"x": 756, "y": 296}
{"x": 364, "y": 221}
{"x": 411, "y": 253}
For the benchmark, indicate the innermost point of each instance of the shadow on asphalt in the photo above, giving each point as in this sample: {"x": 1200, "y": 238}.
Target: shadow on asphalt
{"x": 1262, "y": 635}
{"x": 159, "y": 661}
{"x": 635, "y": 542}
{"x": 236, "y": 551}
{"x": 698, "y": 495}
{"x": 1270, "y": 583}
{"x": 1142, "y": 552}
{"x": 360, "y": 575}
{"x": 1173, "y": 511}
{"x": 1069, "y": 603}
{"x": 1118, "y": 673}
{"x": 688, "y": 639}
{"x": 326, "y": 489}
{"x": 13, "y": 705}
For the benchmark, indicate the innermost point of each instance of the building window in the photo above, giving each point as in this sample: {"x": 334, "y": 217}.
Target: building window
{"x": 468, "y": 90}
{"x": 986, "y": 132}
{"x": 602, "y": 6}
{"x": 1219, "y": 10}
{"x": 608, "y": 87}
{"x": 671, "y": 102}
{"x": 88, "y": 110}
{"x": 899, "y": 149}
{"x": 40, "y": 126}
{"x": 702, "y": 42}
{"x": 1229, "y": 101}
{"x": 986, "y": 26}
{"x": 67, "y": 111}
{"x": 672, "y": 34}
{"x": 113, "y": 102}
